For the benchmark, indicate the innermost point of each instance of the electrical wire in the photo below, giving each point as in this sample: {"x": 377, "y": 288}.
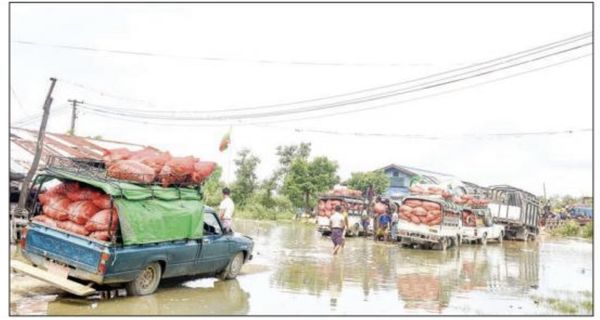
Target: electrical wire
{"x": 513, "y": 57}
{"x": 425, "y": 86}
{"x": 355, "y": 110}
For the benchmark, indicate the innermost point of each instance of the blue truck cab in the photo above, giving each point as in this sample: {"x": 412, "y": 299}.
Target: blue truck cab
{"x": 139, "y": 266}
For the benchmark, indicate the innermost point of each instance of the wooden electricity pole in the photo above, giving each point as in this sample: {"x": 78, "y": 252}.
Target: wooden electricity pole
{"x": 73, "y": 115}
{"x": 38, "y": 150}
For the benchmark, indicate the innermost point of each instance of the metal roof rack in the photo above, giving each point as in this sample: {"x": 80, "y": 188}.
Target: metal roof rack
{"x": 96, "y": 169}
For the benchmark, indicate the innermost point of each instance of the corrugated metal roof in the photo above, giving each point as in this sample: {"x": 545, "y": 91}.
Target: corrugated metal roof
{"x": 23, "y": 143}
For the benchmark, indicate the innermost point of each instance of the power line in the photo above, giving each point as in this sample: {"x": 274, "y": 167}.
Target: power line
{"x": 338, "y": 113}
{"x": 218, "y": 59}
{"x": 512, "y": 57}
{"x": 429, "y": 85}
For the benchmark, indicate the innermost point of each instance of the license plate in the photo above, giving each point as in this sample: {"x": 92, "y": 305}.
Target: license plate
{"x": 56, "y": 269}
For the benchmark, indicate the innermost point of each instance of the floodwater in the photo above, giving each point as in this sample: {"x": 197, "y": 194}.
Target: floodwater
{"x": 293, "y": 272}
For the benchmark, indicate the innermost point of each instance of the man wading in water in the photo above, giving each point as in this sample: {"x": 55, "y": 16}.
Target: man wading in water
{"x": 338, "y": 229}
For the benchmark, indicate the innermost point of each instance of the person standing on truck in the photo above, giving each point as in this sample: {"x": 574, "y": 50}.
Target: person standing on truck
{"x": 226, "y": 210}
{"x": 338, "y": 229}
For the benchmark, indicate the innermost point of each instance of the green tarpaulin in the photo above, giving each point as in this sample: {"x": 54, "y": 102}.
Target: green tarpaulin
{"x": 149, "y": 214}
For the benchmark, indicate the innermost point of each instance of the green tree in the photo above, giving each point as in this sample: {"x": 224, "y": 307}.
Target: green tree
{"x": 246, "y": 181}
{"x": 286, "y": 155}
{"x": 213, "y": 187}
{"x": 307, "y": 178}
{"x": 362, "y": 180}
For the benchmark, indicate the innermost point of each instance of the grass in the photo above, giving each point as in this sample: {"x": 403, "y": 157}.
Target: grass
{"x": 572, "y": 229}
{"x": 568, "y": 307}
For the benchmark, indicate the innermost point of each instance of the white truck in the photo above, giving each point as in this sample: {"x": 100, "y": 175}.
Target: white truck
{"x": 517, "y": 210}
{"x": 354, "y": 207}
{"x": 429, "y": 222}
{"x": 478, "y": 226}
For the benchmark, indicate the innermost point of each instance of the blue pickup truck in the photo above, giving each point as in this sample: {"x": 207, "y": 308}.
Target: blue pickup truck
{"x": 162, "y": 233}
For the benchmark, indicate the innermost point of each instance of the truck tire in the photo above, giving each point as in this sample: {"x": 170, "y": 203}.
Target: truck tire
{"x": 146, "y": 282}
{"x": 233, "y": 267}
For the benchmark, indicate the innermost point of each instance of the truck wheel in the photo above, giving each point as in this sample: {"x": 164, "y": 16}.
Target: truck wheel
{"x": 146, "y": 282}
{"x": 233, "y": 268}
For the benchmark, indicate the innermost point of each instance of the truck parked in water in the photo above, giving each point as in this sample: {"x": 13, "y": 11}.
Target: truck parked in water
{"x": 354, "y": 207}
{"x": 478, "y": 226}
{"x": 429, "y": 222}
{"x": 517, "y": 210}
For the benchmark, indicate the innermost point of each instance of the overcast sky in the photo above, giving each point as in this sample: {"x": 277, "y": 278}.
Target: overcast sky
{"x": 335, "y": 49}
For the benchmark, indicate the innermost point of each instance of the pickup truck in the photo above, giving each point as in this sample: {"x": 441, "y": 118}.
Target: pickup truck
{"x": 478, "y": 226}
{"x": 196, "y": 244}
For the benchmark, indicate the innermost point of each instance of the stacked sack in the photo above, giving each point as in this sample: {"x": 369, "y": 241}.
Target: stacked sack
{"x": 469, "y": 219}
{"x": 326, "y": 207}
{"x": 421, "y": 211}
{"x": 464, "y": 200}
{"x": 152, "y": 165}
{"x": 344, "y": 191}
{"x": 77, "y": 209}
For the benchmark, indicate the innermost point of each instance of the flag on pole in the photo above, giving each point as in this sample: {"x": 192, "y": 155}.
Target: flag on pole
{"x": 225, "y": 141}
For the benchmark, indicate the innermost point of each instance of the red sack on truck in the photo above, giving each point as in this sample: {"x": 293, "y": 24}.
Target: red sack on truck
{"x": 100, "y": 221}
{"x": 151, "y": 157}
{"x": 100, "y": 235}
{"x": 131, "y": 170}
{"x": 83, "y": 194}
{"x": 57, "y": 208}
{"x": 81, "y": 211}
{"x": 202, "y": 170}
{"x": 102, "y": 201}
{"x": 113, "y": 155}
{"x": 45, "y": 220}
{"x": 73, "y": 227}
{"x": 379, "y": 208}
{"x": 177, "y": 170}
{"x": 429, "y": 205}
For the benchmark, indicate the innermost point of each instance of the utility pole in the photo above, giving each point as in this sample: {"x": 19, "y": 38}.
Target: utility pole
{"x": 73, "y": 115}
{"x": 38, "y": 150}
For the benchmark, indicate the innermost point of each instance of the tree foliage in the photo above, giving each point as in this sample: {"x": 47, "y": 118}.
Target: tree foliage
{"x": 246, "y": 181}
{"x": 362, "y": 180}
{"x": 212, "y": 188}
{"x": 307, "y": 178}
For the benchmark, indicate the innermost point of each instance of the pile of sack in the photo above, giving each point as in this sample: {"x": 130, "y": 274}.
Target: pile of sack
{"x": 78, "y": 209}
{"x": 469, "y": 219}
{"x": 325, "y": 208}
{"x": 421, "y": 211}
{"x": 345, "y": 191}
{"x": 464, "y": 200}
{"x": 152, "y": 165}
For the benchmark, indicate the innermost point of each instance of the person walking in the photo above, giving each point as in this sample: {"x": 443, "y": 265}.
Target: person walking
{"x": 384, "y": 226}
{"x": 338, "y": 229}
{"x": 394, "y": 226}
{"x": 226, "y": 209}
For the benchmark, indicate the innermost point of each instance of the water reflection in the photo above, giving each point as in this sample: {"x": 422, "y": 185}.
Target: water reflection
{"x": 225, "y": 298}
{"x": 424, "y": 280}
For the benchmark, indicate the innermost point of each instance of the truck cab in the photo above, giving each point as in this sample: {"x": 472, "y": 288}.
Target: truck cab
{"x": 478, "y": 226}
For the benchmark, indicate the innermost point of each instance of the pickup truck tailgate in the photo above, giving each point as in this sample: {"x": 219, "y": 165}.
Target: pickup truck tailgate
{"x": 70, "y": 249}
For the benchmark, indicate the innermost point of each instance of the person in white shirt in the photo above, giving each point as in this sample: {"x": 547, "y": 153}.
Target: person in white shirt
{"x": 338, "y": 228}
{"x": 226, "y": 210}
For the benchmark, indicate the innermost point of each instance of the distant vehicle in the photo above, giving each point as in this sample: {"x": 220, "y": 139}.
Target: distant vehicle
{"x": 581, "y": 212}
{"x": 355, "y": 206}
{"x": 478, "y": 226}
{"x": 440, "y": 236}
{"x": 517, "y": 210}
{"x": 148, "y": 246}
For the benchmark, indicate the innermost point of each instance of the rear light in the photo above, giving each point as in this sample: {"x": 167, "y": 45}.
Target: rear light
{"x": 23, "y": 240}
{"x": 104, "y": 257}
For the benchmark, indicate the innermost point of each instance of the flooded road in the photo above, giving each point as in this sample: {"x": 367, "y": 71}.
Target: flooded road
{"x": 293, "y": 272}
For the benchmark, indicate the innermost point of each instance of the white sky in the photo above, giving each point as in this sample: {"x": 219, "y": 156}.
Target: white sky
{"x": 420, "y": 38}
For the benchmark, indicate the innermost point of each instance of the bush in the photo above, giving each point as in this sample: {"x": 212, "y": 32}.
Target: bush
{"x": 569, "y": 229}
{"x": 257, "y": 211}
{"x": 588, "y": 230}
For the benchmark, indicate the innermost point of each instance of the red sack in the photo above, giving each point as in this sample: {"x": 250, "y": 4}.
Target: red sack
{"x": 57, "y": 208}
{"x": 112, "y": 155}
{"x": 435, "y": 213}
{"x": 44, "y": 198}
{"x": 428, "y": 205}
{"x": 415, "y": 219}
{"x": 405, "y": 209}
{"x": 419, "y": 211}
{"x": 182, "y": 166}
{"x": 435, "y": 221}
{"x": 102, "y": 201}
{"x": 83, "y": 194}
{"x": 379, "y": 208}
{"x": 413, "y": 203}
{"x": 100, "y": 235}
{"x": 100, "y": 221}
{"x": 73, "y": 227}
{"x": 404, "y": 216}
{"x": 131, "y": 170}
{"x": 151, "y": 157}
{"x": 81, "y": 211}
{"x": 202, "y": 170}
{"x": 45, "y": 220}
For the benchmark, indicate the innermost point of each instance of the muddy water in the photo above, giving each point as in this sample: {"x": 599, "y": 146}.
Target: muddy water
{"x": 293, "y": 272}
